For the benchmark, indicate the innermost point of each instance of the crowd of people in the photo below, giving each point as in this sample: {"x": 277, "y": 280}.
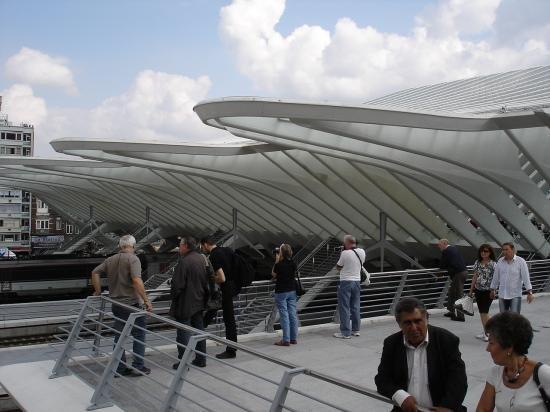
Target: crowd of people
{"x": 421, "y": 367}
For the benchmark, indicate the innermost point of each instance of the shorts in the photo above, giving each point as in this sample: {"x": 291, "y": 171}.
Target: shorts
{"x": 483, "y": 299}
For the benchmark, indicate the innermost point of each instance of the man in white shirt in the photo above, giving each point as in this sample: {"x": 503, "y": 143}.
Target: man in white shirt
{"x": 349, "y": 266}
{"x": 511, "y": 275}
{"x": 421, "y": 366}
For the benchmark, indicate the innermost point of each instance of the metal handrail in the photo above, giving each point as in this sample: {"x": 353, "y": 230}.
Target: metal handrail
{"x": 104, "y": 387}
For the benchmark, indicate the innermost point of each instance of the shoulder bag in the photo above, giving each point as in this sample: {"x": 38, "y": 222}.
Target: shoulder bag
{"x": 543, "y": 393}
{"x": 300, "y": 291}
{"x": 365, "y": 275}
{"x": 214, "y": 300}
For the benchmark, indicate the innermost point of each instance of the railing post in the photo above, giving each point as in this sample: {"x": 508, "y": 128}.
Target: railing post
{"x": 60, "y": 368}
{"x": 171, "y": 399}
{"x": 270, "y": 323}
{"x": 398, "y": 293}
{"x": 100, "y": 318}
{"x": 444, "y": 292}
{"x": 101, "y": 397}
{"x": 282, "y": 390}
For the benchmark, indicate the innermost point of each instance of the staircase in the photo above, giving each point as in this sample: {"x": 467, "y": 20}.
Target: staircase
{"x": 321, "y": 259}
{"x": 534, "y": 174}
{"x": 90, "y": 232}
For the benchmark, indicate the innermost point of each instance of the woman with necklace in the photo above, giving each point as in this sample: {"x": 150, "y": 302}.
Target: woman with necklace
{"x": 511, "y": 385}
{"x": 484, "y": 268}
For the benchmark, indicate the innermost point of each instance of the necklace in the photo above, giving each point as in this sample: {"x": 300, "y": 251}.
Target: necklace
{"x": 516, "y": 375}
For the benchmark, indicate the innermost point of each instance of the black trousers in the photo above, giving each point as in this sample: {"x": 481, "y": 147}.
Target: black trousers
{"x": 456, "y": 291}
{"x": 182, "y": 336}
{"x": 228, "y": 291}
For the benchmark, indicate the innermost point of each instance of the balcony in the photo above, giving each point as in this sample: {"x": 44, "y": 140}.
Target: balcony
{"x": 4, "y": 229}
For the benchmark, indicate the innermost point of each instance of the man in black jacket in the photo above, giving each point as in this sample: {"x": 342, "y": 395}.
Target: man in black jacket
{"x": 453, "y": 263}
{"x": 189, "y": 292}
{"x": 421, "y": 365}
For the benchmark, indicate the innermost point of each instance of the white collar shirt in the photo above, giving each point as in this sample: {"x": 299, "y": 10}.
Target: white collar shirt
{"x": 417, "y": 365}
{"x": 510, "y": 277}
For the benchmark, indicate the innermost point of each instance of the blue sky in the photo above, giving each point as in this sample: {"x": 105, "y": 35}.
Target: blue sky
{"x": 137, "y": 67}
{"x": 108, "y": 42}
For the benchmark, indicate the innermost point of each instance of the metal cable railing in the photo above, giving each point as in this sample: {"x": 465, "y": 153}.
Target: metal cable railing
{"x": 262, "y": 382}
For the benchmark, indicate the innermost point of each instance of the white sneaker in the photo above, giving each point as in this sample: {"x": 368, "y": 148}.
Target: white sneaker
{"x": 340, "y": 336}
{"x": 356, "y": 333}
{"x": 483, "y": 337}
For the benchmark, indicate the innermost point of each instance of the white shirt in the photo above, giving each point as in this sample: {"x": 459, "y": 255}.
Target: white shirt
{"x": 523, "y": 399}
{"x": 417, "y": 364}
{"x": 510, "y": 277}
{"x": 350, "y": 264}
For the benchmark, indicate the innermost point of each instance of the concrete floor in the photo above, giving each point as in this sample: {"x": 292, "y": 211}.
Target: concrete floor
{"x": 354, "y": 360}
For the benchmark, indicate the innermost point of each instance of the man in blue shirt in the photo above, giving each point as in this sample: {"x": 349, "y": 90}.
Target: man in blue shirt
{"x": 453, "y": 263}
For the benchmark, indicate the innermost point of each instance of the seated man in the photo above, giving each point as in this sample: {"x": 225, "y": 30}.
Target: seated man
{"x": 421, "y": 366}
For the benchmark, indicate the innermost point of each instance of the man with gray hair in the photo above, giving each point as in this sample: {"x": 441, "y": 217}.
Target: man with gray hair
{"x": 350, "y": 266}
{"x": 123, "y": 272}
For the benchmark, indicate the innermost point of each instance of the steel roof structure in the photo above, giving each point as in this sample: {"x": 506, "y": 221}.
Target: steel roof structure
{"x": 466, "y": 160}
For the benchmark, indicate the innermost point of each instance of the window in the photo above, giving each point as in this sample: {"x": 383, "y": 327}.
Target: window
{"x": 1, "y": 223}
{"x": 69, "y": 229}
{"x": 42, "y": 224}
{"x": 26, "y": 151}
{"x": 26, "y": 137}
{"x": 10, "y": 136}
{"x": 58, "y": 224}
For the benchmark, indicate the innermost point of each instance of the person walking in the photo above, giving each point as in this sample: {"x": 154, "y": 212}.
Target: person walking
{"x": 484, "y": 268}
{"x": 222, "y": 262}
{"x": 515, "y": 383}
{"x": 453, "y": 263}
{"x": 189, "y": 292}
{"x": 511, "y": 275}
{"x": 349, "y": 266}
{"x": 123, "y": 272}
{"x": 284, "y": 274}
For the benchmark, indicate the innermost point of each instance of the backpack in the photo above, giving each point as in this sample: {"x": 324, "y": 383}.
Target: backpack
{"x": 243, "y": 272}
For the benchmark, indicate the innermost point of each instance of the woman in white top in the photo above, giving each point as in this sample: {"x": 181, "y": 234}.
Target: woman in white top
{"x": 510, "y": 385}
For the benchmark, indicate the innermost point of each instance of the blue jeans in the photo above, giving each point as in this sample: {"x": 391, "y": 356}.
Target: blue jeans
{"x": 286, "y": 303}
{"x": 182, "y": 336}
{"x": 349, "y": 306}
{"x": 138, "y": 334}
{"x": 510, "y": 305}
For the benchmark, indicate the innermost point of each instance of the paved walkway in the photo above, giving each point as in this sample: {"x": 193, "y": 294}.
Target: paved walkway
{"x": 354, "y": 360}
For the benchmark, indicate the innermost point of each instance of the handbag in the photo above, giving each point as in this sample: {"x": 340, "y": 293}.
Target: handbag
{"x": 214, "y": 301}
{"x": 543, "y": 394}
{"x": 365, "y": 275}
{"x": 465, "y": 304}
{"x": 300, "y": 291}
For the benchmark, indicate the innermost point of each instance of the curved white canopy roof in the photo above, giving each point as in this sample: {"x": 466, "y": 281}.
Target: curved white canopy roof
{"x": 319, "y": 169}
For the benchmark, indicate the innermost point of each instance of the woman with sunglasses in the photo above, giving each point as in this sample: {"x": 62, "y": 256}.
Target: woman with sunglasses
{"x": 484, "y": 268}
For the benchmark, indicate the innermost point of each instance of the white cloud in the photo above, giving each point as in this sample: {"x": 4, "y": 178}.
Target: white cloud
{"x": 157, "y": 106}
{"x": 22, "y": 105}
{"x": 37, "y": 68}
{"x": 356, "y": 63}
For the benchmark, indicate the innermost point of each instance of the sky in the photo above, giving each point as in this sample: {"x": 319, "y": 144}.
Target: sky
{"x": 134, "y": 69}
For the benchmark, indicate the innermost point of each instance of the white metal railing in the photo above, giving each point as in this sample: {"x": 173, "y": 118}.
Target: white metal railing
{"x": 234, "y": 385}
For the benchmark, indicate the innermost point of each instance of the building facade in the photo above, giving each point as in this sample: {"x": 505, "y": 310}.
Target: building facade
{"x": 15, "y": 205}
{"x": 48, "y": 230}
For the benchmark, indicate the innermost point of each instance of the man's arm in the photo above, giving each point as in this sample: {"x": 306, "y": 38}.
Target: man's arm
{"x": 524, "y": 271}
{"x": 456, "y": 383}
{"x": 140, "y": 290}
{"x": 96, "y": 278}
{"x": 96, "y": 283}
{"x": 385, "y": 381}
